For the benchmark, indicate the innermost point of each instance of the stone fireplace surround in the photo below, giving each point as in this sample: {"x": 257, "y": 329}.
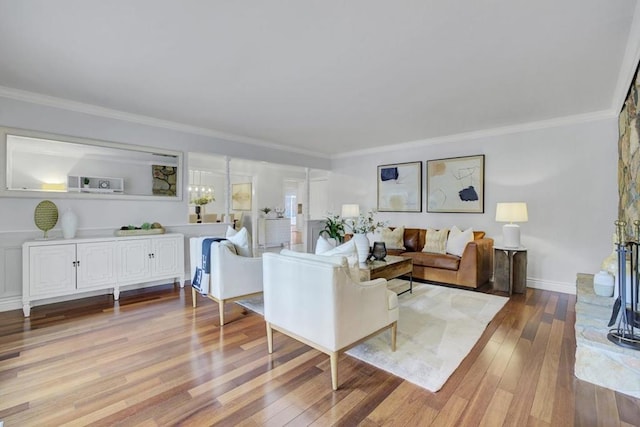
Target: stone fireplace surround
{"x": 598, "y": 360}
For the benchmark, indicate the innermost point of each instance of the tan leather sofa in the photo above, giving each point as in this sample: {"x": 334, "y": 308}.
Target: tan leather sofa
{"x": 473, "y": 269}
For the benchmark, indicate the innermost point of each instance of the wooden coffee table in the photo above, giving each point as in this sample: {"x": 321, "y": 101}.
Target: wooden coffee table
{"x": 391, "y": 268}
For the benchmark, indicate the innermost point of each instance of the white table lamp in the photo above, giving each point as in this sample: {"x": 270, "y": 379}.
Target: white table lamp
{"x": 350, "y": 211}
{"x": 510, "y": 213}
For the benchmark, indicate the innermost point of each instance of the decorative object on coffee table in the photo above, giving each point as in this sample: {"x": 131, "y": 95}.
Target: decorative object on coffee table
{"x": 379, "y": 251}
{"x": 46, "y": 216}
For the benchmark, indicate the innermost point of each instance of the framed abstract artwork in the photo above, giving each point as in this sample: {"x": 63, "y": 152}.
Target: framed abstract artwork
{"x": 400, "y": 187}
{"x": 241, "y": 197}
{"x": 456, "y": 185}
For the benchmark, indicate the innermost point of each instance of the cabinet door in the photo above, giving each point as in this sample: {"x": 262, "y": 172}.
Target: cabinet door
{"x": 96, "y": 265}
{"x": 134, "y": 261}
{"x": 52, "y": 270}
{"x": 167, "y": 257}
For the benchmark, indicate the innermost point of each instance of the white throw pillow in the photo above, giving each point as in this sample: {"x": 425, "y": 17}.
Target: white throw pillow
{"x": 393, "y": 239}
{"x": 323, "y": 245}
{"x": 458, "y": 240}
{"x": 436, "y": 241}
{"x": 347, "y": 250}
{"x": 240, "y": 240}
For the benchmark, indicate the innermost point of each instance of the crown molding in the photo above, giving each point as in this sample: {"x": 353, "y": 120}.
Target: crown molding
{"x": 524, "y": 127}
{"x": 94, "y": 110}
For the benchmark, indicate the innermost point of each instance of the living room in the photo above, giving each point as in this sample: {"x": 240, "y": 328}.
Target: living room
{"x": 564, "y": 165}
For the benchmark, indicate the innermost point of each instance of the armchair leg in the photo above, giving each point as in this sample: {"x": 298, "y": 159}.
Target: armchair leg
{"x": 269, "y": 338}
{"x": 394, "y": 332}
{"x": 334, "y": 369}
{"x": 221, "y": 308}
{"x": 194, "y": 295}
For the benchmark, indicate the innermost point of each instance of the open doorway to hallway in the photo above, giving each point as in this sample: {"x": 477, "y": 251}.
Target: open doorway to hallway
{"x": 293, "y": 210}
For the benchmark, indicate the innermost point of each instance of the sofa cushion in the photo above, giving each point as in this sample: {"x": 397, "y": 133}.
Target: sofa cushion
{"x": 393, "y": 239}
{"x": 458, "y": 240}
{"x": 412, "y": 239}
{"x": 436, "y": 241}
{"x": 425, "y": 259}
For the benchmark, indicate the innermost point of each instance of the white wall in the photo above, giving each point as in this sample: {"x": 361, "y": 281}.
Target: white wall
{"x": 566, "y": 174}
{"x": 100, "y": 216}
{"x": 17, "y": 213}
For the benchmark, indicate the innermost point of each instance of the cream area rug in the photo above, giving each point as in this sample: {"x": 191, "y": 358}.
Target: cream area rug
{"x": 437, "y": 328}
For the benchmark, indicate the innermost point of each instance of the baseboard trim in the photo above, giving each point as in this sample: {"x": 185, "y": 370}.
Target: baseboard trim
{"x": 15, "y": 303}
{"x": 548, "y": 285}
{"x": 8, "y": 304}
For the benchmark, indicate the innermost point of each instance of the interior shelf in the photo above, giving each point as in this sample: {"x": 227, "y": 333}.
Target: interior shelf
{"x": 95, "y": 184}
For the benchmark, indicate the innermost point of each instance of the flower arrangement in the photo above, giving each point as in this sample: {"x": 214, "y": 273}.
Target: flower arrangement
{"x": 202, "y": 200}
{"x": 266, "y": 210}
{"x": 365, "y": 223}
{"x": 334, "y": 227}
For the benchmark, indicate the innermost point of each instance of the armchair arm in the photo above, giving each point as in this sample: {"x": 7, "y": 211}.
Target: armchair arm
{"x": 364, "y": 307}
{"x": 233, "y": 275}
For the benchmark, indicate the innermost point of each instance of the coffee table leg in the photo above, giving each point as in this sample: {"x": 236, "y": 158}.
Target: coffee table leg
{"x": 410, "y": 290}
{"x": 411, "y": 282}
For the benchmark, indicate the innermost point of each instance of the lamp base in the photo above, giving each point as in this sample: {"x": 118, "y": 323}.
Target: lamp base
{"x": 511, "y": 235}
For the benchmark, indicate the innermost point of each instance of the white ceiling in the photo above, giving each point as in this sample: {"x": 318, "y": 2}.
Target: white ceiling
{"x": 324, "y": 76}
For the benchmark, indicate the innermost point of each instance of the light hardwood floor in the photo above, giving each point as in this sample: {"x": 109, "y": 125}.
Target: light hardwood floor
{"x": 154, "y": 360}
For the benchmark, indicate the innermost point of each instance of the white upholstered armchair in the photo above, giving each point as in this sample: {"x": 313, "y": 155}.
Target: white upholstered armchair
{"x": 231, "y": 277}
{"x": 313, "y": 299}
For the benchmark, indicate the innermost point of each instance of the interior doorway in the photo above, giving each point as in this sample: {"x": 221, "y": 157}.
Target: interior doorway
{"x": 291, "y": 198}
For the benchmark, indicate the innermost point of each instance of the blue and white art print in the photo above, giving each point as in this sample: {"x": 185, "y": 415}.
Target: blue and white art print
{"x": 400, "y": 187}
{"x": 456, "y": 185}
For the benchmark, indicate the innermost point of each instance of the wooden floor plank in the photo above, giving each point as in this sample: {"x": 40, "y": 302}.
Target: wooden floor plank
{"x": 151, "y": 359}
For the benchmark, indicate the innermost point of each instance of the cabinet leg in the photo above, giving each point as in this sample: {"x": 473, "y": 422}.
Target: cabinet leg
{"x": 116, "y": 294}
{"x": 26, "y": 309}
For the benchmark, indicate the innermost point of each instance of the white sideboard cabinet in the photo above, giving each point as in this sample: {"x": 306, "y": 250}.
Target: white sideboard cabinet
{"x": 54, "y": 268}
{"x": 274, "y": 232}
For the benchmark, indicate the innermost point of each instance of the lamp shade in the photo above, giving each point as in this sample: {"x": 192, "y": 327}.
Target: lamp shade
{"x": 512, "y": 212}
{"x": 350, "y": 211}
